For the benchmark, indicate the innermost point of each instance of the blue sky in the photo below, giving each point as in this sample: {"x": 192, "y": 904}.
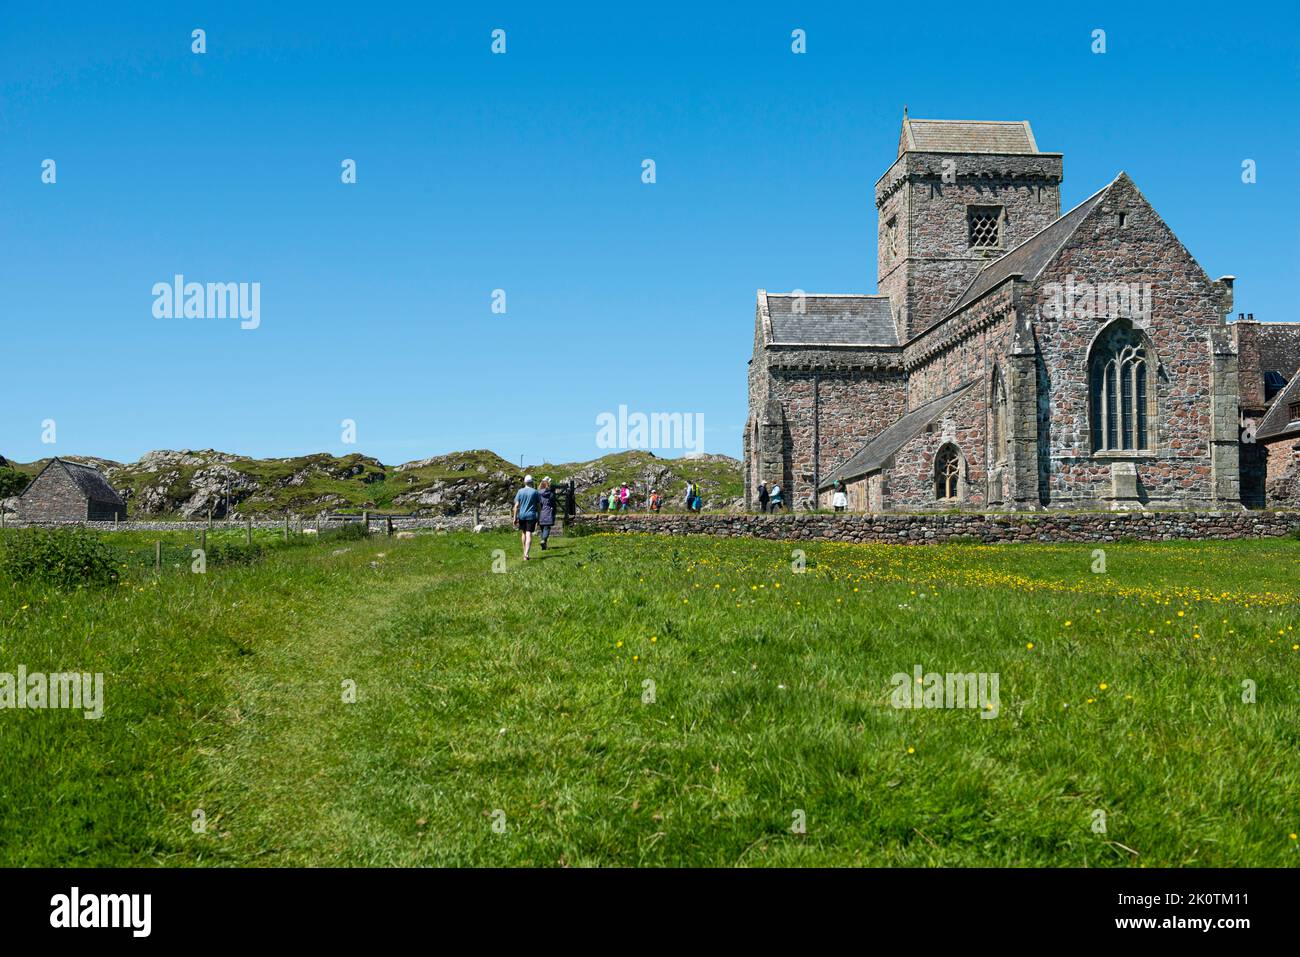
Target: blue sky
{"x": 523, "y": 172}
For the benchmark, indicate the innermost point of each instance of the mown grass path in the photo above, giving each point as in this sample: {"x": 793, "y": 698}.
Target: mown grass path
{"x": 642, "y": 700}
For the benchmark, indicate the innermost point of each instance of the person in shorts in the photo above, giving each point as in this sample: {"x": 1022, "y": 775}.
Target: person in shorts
{"x": 526, "y": 511}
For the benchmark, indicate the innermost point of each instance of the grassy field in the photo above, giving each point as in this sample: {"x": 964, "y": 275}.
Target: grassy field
{"x": 506, "y": 719}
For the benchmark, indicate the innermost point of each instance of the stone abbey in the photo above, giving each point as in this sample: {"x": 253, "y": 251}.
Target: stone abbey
{"x": 1017, "y": 358}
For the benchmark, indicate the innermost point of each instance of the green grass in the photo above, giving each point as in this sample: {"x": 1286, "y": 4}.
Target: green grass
{"x": 523, "y": 693}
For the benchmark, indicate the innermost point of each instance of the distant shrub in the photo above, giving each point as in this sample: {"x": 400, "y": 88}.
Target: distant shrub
{"x": 1294, "y": 533}
{"x": 62, "y": 557}
{"x": 345, "y": 532}
{"x": 235, "y": 553}
{"x": 12, "y": 482}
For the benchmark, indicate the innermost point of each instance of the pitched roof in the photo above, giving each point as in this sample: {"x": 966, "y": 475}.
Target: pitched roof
{"x": 1277, "y": 420}
{"x": 875, "y": 453}
{"x": 967, "y": 136}
{"x": 831, "y": 320}
{"x": 1030, "y": 257}
{"x": 91, "y": 482}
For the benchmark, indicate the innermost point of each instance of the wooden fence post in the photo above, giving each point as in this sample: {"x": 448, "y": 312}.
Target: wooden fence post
{"x": 203, "y": 541}
{"x": 248, "y": 530}
{"x": 365, "y": 517}
{"x": 209, "y": 516}
{"x": 286, "y": 526}
{"x": 157, "y": 556}
{"x": 388, "y": 525}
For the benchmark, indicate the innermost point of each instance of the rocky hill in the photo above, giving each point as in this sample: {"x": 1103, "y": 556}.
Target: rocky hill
{"x": 186, "y": 484}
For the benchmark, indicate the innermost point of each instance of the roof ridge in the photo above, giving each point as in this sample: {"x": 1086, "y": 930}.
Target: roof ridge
{"x": 831, "y": 295}
{"x": 924, "y": 119}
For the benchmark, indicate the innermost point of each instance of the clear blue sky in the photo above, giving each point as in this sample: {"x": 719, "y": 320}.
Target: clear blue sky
{"x": 523, "y": 172}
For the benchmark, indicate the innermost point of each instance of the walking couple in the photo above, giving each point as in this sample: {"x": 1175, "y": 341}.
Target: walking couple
{"x": 534, "y": 508}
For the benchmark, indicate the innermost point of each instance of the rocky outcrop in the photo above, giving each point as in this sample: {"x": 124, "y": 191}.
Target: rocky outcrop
{"x": 190, "y": 484}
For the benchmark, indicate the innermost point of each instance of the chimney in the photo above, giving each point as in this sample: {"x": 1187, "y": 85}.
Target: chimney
{"x": 1226, "y": 282}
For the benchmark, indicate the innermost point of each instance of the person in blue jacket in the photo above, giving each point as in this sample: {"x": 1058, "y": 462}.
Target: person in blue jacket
{"x": 527, "y": 509}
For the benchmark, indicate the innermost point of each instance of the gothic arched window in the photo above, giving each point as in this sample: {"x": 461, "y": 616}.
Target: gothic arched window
{"x": 947, "y": 474}
{"x": 1121, "y": 381}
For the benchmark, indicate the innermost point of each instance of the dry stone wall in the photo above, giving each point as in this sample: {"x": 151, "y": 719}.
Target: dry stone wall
{"x": 988, "y": 528}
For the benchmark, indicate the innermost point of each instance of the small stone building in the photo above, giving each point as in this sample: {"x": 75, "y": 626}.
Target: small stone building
{"x": 68, "y": 492}
{"x": 1278, "y": 441}
{"x": 1014, "y": 357}
{"x": 1268, "y": 357}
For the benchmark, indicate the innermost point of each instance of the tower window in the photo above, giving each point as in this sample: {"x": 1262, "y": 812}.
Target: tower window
{"x": 985, "y": 226}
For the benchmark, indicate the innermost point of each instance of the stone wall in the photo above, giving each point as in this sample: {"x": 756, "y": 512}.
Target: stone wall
{"x": 1283, "y": 489}
{"x": 910, "y": 483}
{"x": 842, "y": 409}
{"x": 988, "y": 528}
{"x": 1189, "y": 405}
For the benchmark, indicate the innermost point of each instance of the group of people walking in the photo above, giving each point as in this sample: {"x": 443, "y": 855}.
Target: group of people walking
{"x": 621, "y": 498}
{"x": 533, "y": 512}
{"x": 616, "y": 499}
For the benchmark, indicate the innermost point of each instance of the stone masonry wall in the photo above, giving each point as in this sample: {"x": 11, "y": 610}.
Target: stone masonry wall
{"x": 1283, "y": 489}
{"x": 931, "y": 529}
{"x": 934, "y": 260}
{"x": 910, "y": 482}
{"x": 53, "y": 496}
{"x": 1185, "y": 310}
{"x": 852, "y": 408}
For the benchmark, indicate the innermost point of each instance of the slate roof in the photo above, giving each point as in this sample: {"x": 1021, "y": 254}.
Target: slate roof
{"x": 832, "y": 320}
{"x": 967, "y": 136}
{"x": 875, "y": 453}
{"x": 1276, "y": 420}
{"x": 1030, "y": 257}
